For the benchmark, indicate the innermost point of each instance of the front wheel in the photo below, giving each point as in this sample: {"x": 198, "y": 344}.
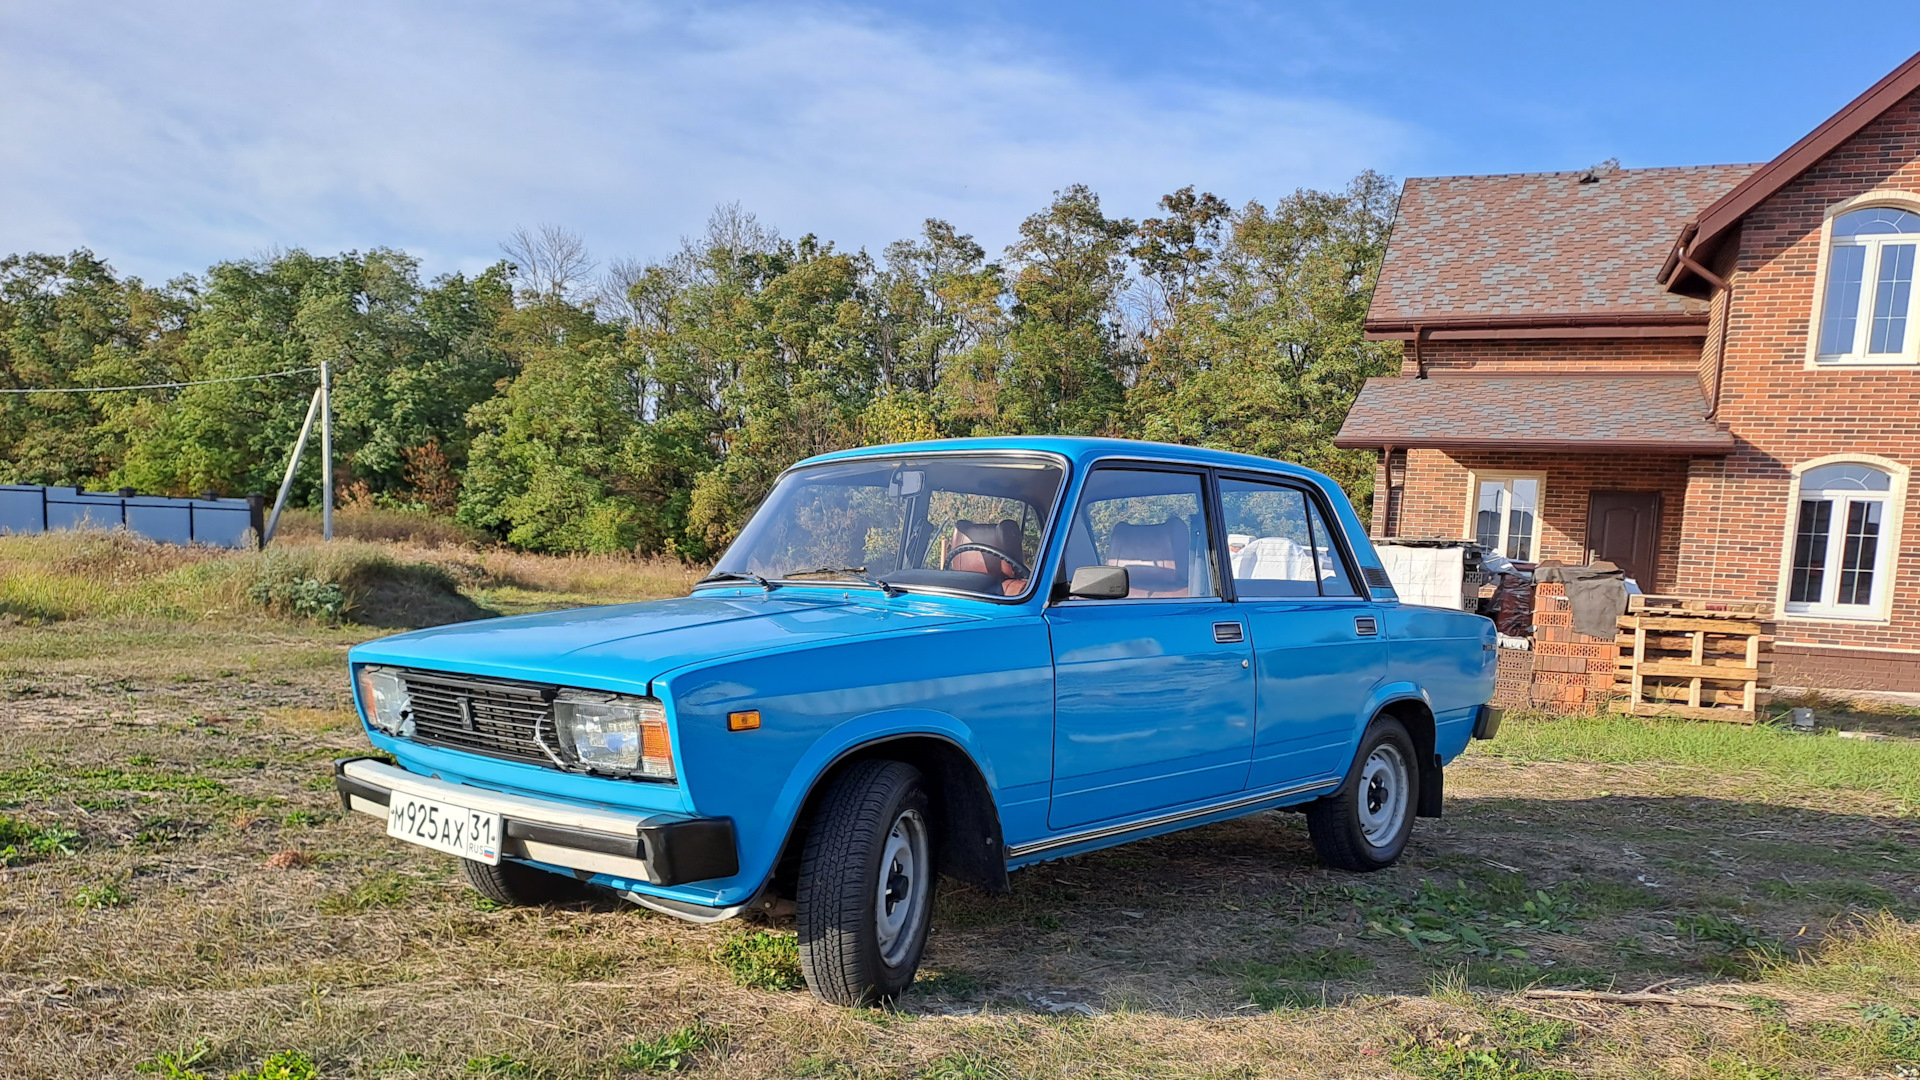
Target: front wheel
{"x": 515, "y": 885}
{"x": 866, "y": 884}
{"x": 1365, "y": 825}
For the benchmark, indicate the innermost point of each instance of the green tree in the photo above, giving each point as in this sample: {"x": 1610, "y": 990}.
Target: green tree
{"x": 546, "y": 465}
{"x": 1066, "y": 363}
{"x": 1254, "y": 338}
{"x": 407, "y": 363}
{"x": 68, "y": 321}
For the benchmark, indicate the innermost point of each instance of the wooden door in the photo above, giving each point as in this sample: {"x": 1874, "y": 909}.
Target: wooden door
{"x": 1623, "y": 527}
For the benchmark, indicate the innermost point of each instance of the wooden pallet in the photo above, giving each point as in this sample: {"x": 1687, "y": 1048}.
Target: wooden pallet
{"x": 1706, "y": 665}
{"x": 1658, "y": 604}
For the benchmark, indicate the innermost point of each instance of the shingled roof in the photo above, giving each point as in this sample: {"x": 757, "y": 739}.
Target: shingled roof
{"x": 1538, "y": 248}
{"x": 1658, "y": 413}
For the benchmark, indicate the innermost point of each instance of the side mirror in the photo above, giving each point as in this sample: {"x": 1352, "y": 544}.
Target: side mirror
{"x": 1100, "y": 583}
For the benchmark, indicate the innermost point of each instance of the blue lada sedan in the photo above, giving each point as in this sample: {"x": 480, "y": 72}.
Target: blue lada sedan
{"x": 957, "y": 658}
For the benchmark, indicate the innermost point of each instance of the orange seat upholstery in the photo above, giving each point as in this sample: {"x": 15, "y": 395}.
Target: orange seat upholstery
{"x": 1003, "y": 535}
{"x": 1155, "y": 557}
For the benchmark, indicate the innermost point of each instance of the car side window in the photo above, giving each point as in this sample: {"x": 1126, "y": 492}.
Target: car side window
{"x": 1334, "y": 580}
{"x": 1150, "y": 522}
{"x": 1278, "y": 543}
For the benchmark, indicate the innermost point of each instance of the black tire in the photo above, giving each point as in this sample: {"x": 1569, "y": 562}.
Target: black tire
{"x": 841, "y": 913}
{"x": 1354, "y": 828}
{"x": 517, "y": 885}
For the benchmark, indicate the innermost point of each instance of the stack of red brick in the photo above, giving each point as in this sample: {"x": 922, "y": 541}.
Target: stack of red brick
{"x": 1571, "y": 671}
{"x": 1513, "y": 684}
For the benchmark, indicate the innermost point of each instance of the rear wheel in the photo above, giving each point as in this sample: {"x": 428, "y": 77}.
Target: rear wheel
{"x": 866, "y": 884}
{"x": 1365, "y": 825}
{"x": 517, "y": 885}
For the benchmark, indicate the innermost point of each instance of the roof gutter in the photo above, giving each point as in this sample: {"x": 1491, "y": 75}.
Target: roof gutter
{"x": 1604, "y": 323}
{"x": 1674, "y": 447}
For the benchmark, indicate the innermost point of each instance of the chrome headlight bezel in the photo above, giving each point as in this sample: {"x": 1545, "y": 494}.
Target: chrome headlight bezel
{"x": 385, "y": 701}
{"x": 613, "y": 734}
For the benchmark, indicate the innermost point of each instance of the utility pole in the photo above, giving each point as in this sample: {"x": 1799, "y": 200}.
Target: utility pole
{"x": 293, "y": 463}
{"x": 326, "y": 453}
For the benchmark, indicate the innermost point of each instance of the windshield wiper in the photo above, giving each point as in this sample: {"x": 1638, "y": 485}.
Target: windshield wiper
{"x": 858, "y": 573}
{"x": 736, "y": 575}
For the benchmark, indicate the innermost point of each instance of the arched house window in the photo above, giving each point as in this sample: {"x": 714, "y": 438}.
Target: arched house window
{"x": 1842, "y": 535}
{"x": 1870, "y": 251}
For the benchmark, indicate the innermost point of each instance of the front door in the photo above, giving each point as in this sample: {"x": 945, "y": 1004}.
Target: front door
{"x": 1623, "y": 527}
{"x": 1154, "y": 693}
{"x": 1317, "y": 642}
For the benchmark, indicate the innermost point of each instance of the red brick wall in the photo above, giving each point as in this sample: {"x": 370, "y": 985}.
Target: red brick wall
{"x": 1436, "y": 496}
{"x": 1845, "y": 669}
{"x": 1783, "y": 414}
{"x": 1555, "y": 354}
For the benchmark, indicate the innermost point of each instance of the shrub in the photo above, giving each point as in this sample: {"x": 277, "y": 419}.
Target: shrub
{"x": 104, "y": 895}
{"x": 21, "y": 842}
{"x": 762, "y": 960}
{"x": 308, "y": 598}
{"x": 670, "y": 1052}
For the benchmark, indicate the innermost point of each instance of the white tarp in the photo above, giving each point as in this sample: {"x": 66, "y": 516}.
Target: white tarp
{"x": 1425, "y": 575}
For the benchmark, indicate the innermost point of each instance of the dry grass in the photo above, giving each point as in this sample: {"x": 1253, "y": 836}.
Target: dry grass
{"x": 377, "y": 525}
{"x": 115, "y": 575}
{"x": 257, "y": 918}
{"x": 217, "y": 902}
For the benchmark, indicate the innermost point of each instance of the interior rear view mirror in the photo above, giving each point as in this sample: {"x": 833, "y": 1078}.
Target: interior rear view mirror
{"x": 906, "y": 482}
{"x": 1099, "y": 583}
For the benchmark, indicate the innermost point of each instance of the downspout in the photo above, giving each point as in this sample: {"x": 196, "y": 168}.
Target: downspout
{"x": 1702, "y": 272}
{"x": 1720, "y": 355}
{"x": 1392, "y": 504}
{"x": 1419, "y": 364}
{"x": 1386, "y": 505}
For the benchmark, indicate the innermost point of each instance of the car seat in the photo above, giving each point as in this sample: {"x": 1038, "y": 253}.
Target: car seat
{"x": 1155, "y": 557}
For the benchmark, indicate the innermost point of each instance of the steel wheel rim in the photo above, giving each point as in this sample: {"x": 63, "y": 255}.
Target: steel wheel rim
{"x": 1383, "y": 795}
{"x": 901, "y": 894}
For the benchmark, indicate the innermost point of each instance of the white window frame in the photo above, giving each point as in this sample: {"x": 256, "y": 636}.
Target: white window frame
{"x": 1893, "y": 199}
{"x": 1886, "y": 560}
{"x": 1471, "y": 527}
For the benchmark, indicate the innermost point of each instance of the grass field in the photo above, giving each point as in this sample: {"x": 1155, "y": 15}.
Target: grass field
{"x": 181, "y": 896}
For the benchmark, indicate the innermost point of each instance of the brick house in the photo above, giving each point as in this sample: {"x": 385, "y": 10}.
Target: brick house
{"x": 1709, "y": 375}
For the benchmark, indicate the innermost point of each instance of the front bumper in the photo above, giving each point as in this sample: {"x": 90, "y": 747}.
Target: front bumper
{"x": 654, "y": 848}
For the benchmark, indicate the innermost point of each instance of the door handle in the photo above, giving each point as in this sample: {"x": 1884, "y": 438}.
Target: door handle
{"x": 1366, "y": 626}
{"x": 1227, "y": 633}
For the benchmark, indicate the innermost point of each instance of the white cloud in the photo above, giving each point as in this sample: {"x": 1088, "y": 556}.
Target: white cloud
{"x": 166, "y": 137}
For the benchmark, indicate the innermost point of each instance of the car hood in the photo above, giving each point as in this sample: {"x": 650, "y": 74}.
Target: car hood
{"x": 626, "y": 646}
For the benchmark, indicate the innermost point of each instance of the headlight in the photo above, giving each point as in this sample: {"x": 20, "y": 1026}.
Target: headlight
{"x": 614, "y": 733}
{"x": 383, "y": 694}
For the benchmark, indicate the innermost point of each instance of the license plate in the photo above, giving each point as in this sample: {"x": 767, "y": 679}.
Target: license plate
{"x": 455, "y": 830}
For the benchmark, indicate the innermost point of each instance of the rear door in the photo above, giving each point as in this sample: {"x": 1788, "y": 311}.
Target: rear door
{"x": 1317, "y": 641}
{"x": 1154, "y": 693}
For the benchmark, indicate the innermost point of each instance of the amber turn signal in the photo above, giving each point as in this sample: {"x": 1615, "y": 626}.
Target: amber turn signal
{"x": 743, "y": 721}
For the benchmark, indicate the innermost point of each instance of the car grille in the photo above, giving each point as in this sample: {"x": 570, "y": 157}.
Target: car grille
{"x": 495, "y": 717}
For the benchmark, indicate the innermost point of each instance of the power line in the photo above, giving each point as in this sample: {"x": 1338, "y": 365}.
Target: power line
{"x": 157, "y": 385}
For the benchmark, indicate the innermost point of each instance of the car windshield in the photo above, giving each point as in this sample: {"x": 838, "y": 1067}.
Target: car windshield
{"x": 963, "y": 522}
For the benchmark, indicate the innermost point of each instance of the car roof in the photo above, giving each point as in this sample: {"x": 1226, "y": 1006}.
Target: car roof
{"x": 1081, "y": 451}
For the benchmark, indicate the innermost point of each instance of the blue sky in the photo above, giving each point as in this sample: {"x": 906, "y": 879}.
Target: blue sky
{"x": 166, "y": 136}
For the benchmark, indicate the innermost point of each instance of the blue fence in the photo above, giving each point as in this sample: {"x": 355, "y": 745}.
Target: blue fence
{"x": 216, "y": 522}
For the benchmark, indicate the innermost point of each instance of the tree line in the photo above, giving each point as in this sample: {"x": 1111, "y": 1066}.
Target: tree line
{"x": 650, "y": 406}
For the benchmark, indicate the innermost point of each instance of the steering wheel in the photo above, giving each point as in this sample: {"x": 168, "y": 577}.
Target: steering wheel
{"x": 1019, "y": 568}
